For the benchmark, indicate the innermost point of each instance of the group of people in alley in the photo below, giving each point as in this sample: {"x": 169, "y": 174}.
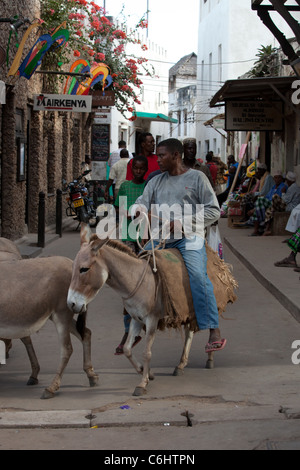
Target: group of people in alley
{"x": 171, "y": 176}
{"x": 174, "y": 175}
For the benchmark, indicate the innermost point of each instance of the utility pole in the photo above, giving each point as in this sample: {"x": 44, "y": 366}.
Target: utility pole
{"x": 148, "y": 18}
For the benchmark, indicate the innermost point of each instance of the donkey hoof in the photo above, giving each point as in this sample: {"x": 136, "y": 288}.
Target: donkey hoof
{"x": 47, "y": 394}
{"x": 94, "y": 381}
{"x": 32, "y": 381}
{"x": 139, "y": 391}
{"x": 177, "y": 372}
{"x": 151, "y": 376}
{"x": 209, "y": 364}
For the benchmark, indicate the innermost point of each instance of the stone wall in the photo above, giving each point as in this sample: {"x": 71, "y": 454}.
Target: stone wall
{"x": 56, "y": 143}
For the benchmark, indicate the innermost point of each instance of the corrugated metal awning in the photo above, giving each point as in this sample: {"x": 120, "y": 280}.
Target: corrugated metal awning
{"x": 155, "y": 117}
{"x": 263, "y": 88}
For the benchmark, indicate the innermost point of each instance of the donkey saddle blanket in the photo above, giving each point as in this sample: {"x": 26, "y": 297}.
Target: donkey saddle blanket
{"x": 177, "y": 296}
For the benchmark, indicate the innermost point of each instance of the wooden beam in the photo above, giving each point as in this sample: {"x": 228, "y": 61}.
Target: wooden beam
{"x": 283, "y": 11}
{"x": 285, "y": 45}
{"x": 256, "y": 5}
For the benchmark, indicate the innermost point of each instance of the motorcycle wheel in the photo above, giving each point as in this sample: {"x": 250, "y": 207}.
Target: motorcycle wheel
{"x": 83, "y": 215}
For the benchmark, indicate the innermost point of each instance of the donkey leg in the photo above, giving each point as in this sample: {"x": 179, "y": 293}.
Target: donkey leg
{"x": 134, "y": 330}
{"x": 35, "y": 367}
{"x": 189, "y": 335}
{"x": 87, "y": 357}
{"x": 210, "y": 361}
{"x": 151, "y": 327}
{"x": 66, "y": 349}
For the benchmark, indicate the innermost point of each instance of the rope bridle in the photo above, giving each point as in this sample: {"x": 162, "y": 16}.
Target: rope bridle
{"x": 146, "y": 253}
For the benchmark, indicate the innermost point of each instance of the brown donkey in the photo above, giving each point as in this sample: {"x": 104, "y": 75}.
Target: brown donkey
{"x": 33, "y": 291}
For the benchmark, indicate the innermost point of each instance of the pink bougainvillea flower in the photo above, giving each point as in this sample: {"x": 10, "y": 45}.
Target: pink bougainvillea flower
{"x": 100, "y": 56}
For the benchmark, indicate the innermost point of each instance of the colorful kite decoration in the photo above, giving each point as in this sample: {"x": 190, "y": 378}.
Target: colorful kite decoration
{"x": 37, "y": 52}
{"x": 98, "y": 72}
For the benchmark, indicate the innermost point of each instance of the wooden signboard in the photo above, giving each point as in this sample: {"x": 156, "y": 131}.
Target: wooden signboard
{"x": 103, "y": 99}
{"x": 251, "y": 115}
{"x": 100, "y": 142}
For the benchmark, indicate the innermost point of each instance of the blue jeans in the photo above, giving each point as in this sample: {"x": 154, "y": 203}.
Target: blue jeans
{"x": 194, "y": 255}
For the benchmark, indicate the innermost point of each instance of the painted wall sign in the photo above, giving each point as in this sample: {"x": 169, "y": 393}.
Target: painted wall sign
{"x": 46, "y": 102}
{"x": 250, "y": 115}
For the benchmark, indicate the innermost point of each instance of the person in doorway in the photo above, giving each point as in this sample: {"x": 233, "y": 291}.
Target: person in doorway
{"x": 189, "y": 158}
{"x": 115, "y": 155}
{"x": 86, "y": 166}
{"x": 179, "y": 185}
{"x": 232, "y": 169}
{"x": 130, "y": 190}
{"x": 221, "y": 180}
{"x": 212, "y": 167}
{"x": 117, "y": 174}
{"x": 147, "y": 144}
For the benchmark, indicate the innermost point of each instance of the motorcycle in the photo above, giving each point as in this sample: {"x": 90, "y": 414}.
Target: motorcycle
{"x": 81, "y": 204}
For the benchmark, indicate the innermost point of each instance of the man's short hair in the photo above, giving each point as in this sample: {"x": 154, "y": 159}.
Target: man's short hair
{"x": 140, "y": 158}
{"x": 173, "y": 145}
{"x": 122, "y": 143}
{"x": 143, "y": 137}
{"x": 124, "y": 153}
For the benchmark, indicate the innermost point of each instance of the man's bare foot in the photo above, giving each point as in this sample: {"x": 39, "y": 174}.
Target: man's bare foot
{"x": 215, "y": 342}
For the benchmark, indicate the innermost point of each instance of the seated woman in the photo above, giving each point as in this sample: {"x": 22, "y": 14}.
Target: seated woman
{"x": 288, "y": 200}
{"x": 263, "y": 184}
{"x": 262, "y": 203}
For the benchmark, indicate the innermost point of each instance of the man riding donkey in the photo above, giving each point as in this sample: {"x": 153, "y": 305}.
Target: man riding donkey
{"x": 190, "y": 191}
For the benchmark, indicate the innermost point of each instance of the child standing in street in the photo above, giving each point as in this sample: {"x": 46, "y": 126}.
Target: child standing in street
{"x": 130, "y": 191}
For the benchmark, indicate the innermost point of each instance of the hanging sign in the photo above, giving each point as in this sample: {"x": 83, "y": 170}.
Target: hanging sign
{"x": 46, "y": 102}
{"x": 99, "y": 72}
{"x": 103, "y": 99}
{"x": 34, "y": 57}
{"x": 251, "y": 115}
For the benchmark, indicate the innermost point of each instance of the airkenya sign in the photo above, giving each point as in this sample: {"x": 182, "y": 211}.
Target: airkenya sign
{"x": 69, "y": 103}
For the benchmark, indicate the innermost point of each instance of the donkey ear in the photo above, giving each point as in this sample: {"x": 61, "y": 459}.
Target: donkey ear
{"x": 85, "y": 233}
{"x": 97, "y": 244}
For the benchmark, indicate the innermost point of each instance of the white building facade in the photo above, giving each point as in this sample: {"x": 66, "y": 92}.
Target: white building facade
{"x": 230, "y": 34}
{"x": 153, "y": 111}
{"x": 182, "y": 97}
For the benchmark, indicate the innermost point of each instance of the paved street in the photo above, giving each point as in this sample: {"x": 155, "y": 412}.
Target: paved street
{"x": 249, "y": 401}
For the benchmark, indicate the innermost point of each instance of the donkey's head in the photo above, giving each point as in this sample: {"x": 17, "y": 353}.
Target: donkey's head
{"x": 89, "y": 272}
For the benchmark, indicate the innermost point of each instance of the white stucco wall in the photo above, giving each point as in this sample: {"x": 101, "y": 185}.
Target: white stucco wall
{"x": 232, "y": 24}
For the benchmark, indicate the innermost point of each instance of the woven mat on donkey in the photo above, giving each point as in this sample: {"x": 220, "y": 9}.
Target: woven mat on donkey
{"x": 177, "y": 296}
